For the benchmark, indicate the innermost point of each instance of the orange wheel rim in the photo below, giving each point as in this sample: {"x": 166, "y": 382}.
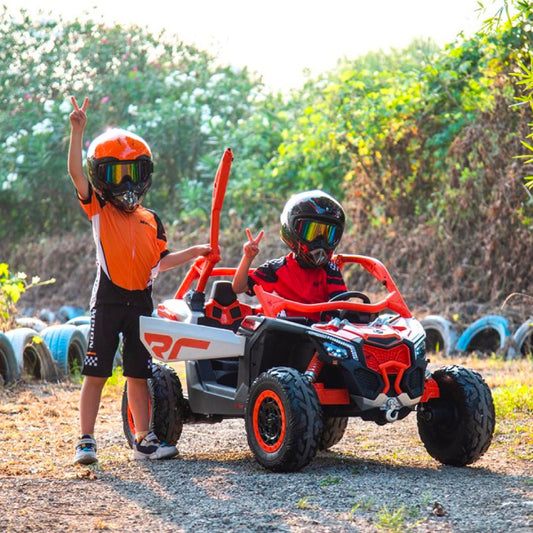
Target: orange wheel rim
{"x": 269, "y": 421}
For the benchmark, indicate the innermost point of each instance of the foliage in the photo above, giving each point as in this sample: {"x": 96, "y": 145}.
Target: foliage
{"x": 172, "y": 94}
{"x": 518, "y": 20}
{"x": 512, "y": 399}
{"x": 11, "y": 289}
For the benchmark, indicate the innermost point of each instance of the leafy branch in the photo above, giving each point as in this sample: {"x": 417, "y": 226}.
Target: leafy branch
{"x": 11, "y": 289}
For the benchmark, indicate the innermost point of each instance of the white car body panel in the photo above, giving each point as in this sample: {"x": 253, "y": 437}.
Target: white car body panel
{"x": 173, "y": 341}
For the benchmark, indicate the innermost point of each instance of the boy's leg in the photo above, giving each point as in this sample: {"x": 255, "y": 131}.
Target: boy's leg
{"x": 97, "y": 367}
{"x": 91, "y": 393}
{"x": 146, "y": 445}
{"x": 137, "y": 369}
{"x": 139, "y": 401}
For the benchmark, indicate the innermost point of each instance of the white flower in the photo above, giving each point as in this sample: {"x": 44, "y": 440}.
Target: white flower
{"x": 43, "y": 127}
{"x": 205, "y": 129}
{"x": 215, "y": 79}
{"x": 205, "y": 113}
{"x": 12, "y": 176}
{"x": 169, "y": 81}
{"x": 215, "y": 121}
{"x": 20, "y": 159}
{"x": 48, "y": 106}
{"x": 65, "y": 106}
{"x": 175, "y": 79}
{"x": 132, "y": 109}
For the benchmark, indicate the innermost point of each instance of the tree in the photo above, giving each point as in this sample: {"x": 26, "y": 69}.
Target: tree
{"x": 174, "y": 95}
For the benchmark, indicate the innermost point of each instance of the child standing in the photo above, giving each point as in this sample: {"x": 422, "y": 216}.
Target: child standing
{"x": 131, "y": 248}
{"x": 312, "y": 223}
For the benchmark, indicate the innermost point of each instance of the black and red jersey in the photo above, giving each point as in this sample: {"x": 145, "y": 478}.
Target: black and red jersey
{"x": 129, "y": 247}
{"x": 285, "y": 277}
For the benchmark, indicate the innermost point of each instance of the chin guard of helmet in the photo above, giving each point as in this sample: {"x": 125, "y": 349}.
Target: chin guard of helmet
{"x": 127, "y": 201}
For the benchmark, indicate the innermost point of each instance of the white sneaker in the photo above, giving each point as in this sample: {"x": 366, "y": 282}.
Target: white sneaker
{"x": 151, "y": 447}
{"x": 85, "y": 451}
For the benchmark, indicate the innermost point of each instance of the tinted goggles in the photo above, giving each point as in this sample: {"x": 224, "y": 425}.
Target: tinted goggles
{"x": 114, "y": 173}
{"x": 309, "y": 230}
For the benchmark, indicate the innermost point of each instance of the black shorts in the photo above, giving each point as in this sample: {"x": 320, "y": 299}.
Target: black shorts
{"x": 108, "y": 321}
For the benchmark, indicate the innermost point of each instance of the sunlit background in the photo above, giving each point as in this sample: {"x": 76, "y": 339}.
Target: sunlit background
{"x": 284, "y": 40}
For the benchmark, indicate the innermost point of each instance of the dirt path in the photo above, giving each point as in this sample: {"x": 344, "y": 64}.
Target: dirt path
{"x": 375, "y": 479}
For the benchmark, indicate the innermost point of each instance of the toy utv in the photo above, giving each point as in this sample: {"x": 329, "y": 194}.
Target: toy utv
{"x": 295, "y": 382}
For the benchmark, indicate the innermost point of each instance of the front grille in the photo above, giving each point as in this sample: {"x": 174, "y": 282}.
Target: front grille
{"x": 375, "y": 356}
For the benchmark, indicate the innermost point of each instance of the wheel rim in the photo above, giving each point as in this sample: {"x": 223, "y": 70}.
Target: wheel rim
{"x": 269, "y": 421}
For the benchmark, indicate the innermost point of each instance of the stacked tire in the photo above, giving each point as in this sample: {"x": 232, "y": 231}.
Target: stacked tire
{"x": 33, "y": 359}
{"x": 8, "y": 364}
{"x": 68, "y": 345}
{"x": 486, "y": 335}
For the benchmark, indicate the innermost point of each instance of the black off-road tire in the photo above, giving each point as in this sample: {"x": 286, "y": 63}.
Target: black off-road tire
{"x": 166, "y": 406}
{"x": 457, "y": 427}
{"x": 334, "y": 428}
{"x": 283, "y": 420}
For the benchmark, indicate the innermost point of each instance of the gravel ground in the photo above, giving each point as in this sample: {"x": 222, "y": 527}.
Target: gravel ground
{"x": 375, "y": 479}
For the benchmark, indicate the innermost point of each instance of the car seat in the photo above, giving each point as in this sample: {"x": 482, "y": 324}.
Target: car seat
{"x": 223, "y": 309}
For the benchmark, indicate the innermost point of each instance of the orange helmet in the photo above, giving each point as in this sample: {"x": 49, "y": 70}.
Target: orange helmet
{"x": 120, "y": 167}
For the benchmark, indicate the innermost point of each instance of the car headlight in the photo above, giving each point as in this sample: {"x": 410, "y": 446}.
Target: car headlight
{"x": 336, "y": 348}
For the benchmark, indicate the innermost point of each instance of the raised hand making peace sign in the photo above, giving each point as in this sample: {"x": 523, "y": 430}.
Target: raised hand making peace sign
{"x": 78, "y": 117}
{"x": 251, "y": 248}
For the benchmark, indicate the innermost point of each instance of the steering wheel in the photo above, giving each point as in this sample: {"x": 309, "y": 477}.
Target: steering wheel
{"x": 347, "y": 314}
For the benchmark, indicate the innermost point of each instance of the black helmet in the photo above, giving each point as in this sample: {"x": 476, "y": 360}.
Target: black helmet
{"x": 120, "y": 167}
{"x": 312, "y": 223}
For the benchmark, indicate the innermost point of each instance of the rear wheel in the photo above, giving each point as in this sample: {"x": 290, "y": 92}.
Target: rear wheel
{"x": 457, "y": 427}
{"x": 166, "y": 406}
{"x": 283, "y": 420}
{"x": 334, "y": 428}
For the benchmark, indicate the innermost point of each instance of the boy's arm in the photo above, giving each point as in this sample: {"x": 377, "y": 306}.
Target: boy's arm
{"x": 175, "y": 259}
{"x": 250, "y": 249}
{"x": 78, "y": 120}
{"x": 240, "y": 280}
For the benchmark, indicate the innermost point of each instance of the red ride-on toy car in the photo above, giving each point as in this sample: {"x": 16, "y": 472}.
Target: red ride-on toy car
{"x": 296, "y": 383}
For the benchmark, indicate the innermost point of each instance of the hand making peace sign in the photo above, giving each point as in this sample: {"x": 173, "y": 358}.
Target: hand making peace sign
{"x": 78, "y": 117}
{"x": 251, "y": 248}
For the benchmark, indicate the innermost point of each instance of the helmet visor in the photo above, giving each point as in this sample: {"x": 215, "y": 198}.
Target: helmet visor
{"x": 310, "y": 230}
{"x": 114, "y": 173}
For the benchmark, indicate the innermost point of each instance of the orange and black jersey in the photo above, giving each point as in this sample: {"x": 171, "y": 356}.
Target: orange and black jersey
{"x": 129, "y": 248}
{"x": 285, "y": 277}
